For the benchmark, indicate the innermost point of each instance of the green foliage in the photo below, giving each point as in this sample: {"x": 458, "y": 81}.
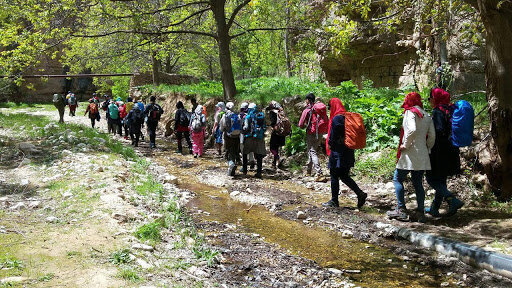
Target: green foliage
{"x": 149, "y": 185}
{"x": 376, "y": 169}
{"x": 296, "y": 143}
{"x": 205, "y": 254}
{"x": 150, "y": 232}
{"x": 120, "y": 257}
{"x": 10, "y": 262}
{"x": 46, "y": 277}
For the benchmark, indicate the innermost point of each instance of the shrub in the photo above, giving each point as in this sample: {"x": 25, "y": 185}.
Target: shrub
{"x": 150, "y": 231}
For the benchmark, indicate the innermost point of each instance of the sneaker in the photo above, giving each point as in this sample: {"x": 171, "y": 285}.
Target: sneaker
{"x": 361, "y": 200}
{"x": 455, "y": 204}
{"x": 432, "y": 211}
{"x": 252, "y": 165}
{"x": 331, "y": 203}
{"x": 231, "y": 171}
{"x": 321, "y": 178}
{"x": 399, "y": 213}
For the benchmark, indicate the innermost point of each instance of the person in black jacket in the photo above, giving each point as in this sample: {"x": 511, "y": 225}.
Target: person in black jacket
{"x": 444, "y": 156}
{"x": 152, "y": 112}
{"x": 181, "y": 123}
{"x": 276, "y": 141}
{"x": 341, "y": 158}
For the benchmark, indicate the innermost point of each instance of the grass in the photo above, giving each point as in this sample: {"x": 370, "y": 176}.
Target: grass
{"x": 376, "y": 169}
{"x": 129, "y": 274}
{"x": 205, "y": 254}
{"x": 149, "y": 232}
{"x": 120, "y": 257}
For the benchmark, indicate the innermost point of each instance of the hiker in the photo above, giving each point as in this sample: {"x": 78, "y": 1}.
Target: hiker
{"x": 60, "y": 103}
{"x": 219, "y": 112}
{"x": 128, "y": 106}
{"x": 439, "y": 71}
{"x": 243, "y": 112}
{"x": 444, "y": 156}
{"x": 314, "y": 119}
{"x": 93, "y": 111}
{"x": 417, "y": 137}
{"x": 281, "y": 127}
{"x": 254, "y": 131}
{"x": 105, "y": 107}
{"x": 197, "y": 127}
{"x": 181, "y": 126}
{"x": 72, "y": 103}
{"x": 153, "y": 112}
{"x": 230, "y": 125}
{"x": 341, "y": 158}
{"x": 141, "y": 107}
{"x": 135, "y": 120}
{"x": 122, "y": 115}
{"x": 114, "y": 121}
{"x": 193, "y": 101}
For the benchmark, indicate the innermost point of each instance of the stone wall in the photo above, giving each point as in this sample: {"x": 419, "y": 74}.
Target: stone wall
{"x": 392, "y": 62}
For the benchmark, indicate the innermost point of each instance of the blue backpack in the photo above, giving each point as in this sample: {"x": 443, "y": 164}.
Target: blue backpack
{"x": 257, "y": 125}
{"x": 463, "y": 122}
{"x": 236, "y": 127}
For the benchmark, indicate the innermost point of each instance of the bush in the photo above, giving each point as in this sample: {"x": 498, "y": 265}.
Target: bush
{"x": 150, "y": 231}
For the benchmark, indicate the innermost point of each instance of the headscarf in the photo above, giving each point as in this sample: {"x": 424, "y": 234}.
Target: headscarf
{"x": 336, "y": 108}
{"x": 230, "y": 106}
{"x": 412, "y": 99}
{"x": 219, "y": 108}
{"x": 273, "y": 105}
{"x": 118, "y": 99}
{"x": 441, "y": 100}
{"x": 179, "y": 105}
{"x": 243, "y": 106}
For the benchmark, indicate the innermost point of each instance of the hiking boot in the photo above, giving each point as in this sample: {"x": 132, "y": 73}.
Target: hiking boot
{"x": 419, "y": 216}
{"x": 320, "y": 178}
{"x": 455, "y": 204}
{"x": 258, "y": 175}
{"x": 195, "y": 155}
{"x": 433, "y": 211}
{"x": 252, "y": 165}
{"x": 399, "y": 213}
{"x": 361, "y": 199}
{"x": 331, "y": 203}
{"x": 190, "y": 152}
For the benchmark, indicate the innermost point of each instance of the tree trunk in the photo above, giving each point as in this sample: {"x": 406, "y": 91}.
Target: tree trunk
{"x": 286, "y": 43}
{"x": 155, "y": 65}
{"x": 498, "y": 70}
{"x": 223, "y": 41}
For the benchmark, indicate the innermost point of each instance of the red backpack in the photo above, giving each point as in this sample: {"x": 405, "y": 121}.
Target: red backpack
{"x": 319, "y": 122}
{"x": 93, "y": 108}
{"x": 355, "y": 133}
{"x": 122, "y": 111}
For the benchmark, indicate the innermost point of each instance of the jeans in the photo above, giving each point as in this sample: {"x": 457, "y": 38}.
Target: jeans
{"x": 342, "y": 174}
{"x": 442, "y": 192}
{"x": 417, "y": 182}
{"x": 152, "y": 132}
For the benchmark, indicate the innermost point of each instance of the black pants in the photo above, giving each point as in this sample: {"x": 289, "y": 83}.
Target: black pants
{"x": 126, "y": 129}
{"x": 342, "y": 174}
{"x": 259, "y": 163}
{"x": 152, "y": 132}
{"x": 93, "y": 121}
{"x": 61, "y": 110}
{"x": 180, "y": 136}
{"x": 135, "y": 134}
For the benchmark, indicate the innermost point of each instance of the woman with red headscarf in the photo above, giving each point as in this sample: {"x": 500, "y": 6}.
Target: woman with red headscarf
{"x": 341, "y": 158}
{"x": 444, "y": 156}
{"x": 416, "y": 139}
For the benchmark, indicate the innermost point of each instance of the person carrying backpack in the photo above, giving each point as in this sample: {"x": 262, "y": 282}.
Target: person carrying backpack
{"x": 220, "y": 109}
{"x": 135, "y": 121}
{"x": 122, "y": 118}
{"x": 244, "y": 107}
{"x": 444, "y": 156}
{"x": 417, "y": 137}
{"x": 197, "y": 127}
{"x": 181, "y": 126}
{"x": 281, "y": 127}
{"x": 93, "y": 111}
{"x": 341, "y": 157}
{"x": 254, "y": 132}
{"x": 59, "y": 102}
{"x": 314, "y": 119}
{"x": 72, "y": 104}
{"x": 114, "y": 121}
{"x": 152, "y": 113}
{"x": 231, "y": 127}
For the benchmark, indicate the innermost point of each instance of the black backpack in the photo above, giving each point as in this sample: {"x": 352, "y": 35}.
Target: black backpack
{"x": 184, "y": 119}
{"x": 137, "y": 117}
{"x": 155, "y": 113}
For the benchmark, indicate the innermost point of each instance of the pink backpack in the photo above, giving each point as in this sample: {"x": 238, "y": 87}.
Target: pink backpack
{"x": 315, "y": 119}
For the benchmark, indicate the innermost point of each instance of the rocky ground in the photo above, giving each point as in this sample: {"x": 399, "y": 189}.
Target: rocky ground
{"x": 81, "y": 208}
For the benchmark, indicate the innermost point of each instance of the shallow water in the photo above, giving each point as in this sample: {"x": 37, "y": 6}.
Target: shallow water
{"x": 379, "y": 267}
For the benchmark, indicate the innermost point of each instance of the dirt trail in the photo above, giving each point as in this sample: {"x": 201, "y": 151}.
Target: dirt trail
{"x": 246, "y": 218}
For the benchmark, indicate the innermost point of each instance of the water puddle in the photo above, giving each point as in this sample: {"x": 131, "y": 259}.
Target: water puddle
{"x": 378, "y": 266}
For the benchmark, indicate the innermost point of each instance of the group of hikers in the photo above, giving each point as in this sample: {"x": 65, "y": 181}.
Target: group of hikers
{"x": 429, "y": 144}
{"x": 129, "y": 116}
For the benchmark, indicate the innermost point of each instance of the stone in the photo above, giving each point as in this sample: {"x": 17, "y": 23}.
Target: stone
{"x": 389, "y": 186}
{"x": 52, "y": 219}
{"x": 234, "y": 194}
{"x": 28, "y": 148}
{"x": 100, "y": 169}
{"x": 67, "y": 195}
{"x": 301, "y": 215}
{"x": 66, "y": 153}
{"x": 14, "y": 279}
{"x": 24, "y": 182}
{"x": 335, "y": 271}
{"x": 120, "y": 217}
{"x": 347, "y": 234}
{"x": 143, "y": 247}
{"x": 19, "y": 206}
{"x": 197, "y": 272}
{"x": 143, "y": 264}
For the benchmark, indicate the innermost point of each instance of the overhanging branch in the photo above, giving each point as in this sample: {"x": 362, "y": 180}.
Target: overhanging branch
{"x": 235, "y": 12}
{"x": 268, "y": 29}
{"x": 145, "y": 33}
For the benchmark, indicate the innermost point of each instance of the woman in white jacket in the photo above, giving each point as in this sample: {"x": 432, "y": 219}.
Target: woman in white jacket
{"x": 416, "y": 139}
